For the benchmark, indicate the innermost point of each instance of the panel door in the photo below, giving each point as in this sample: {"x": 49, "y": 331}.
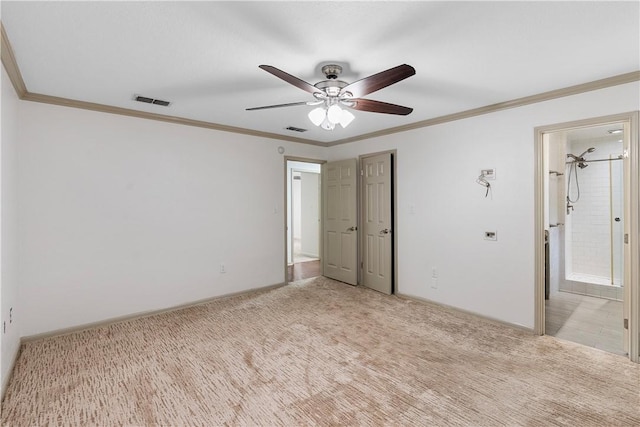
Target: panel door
{"x": 340, "y": 221}
{"x": 377, "y": 272}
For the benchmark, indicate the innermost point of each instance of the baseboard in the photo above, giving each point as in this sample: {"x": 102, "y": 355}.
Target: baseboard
{"x": 141, "y": 314}
{"x": 461, "y": 310}
{"x": 5, "y": 381}
{"x": 308, "y": 255}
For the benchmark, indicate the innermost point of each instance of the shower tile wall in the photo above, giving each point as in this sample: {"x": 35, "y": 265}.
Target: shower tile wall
{"x": 590, "y": 220}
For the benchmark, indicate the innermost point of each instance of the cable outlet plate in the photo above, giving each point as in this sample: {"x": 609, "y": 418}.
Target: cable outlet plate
{"x": 491, "y": 235}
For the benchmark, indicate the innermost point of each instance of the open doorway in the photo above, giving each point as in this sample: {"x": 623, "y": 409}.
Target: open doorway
{"x": 586, "y": 286}
{"x": 303, "y": 219}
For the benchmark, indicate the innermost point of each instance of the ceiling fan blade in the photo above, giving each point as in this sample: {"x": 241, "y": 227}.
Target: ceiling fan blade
{"x": 291, "y": 79}
{"x": 291, "y": 104}
{"x": 378, "y": 81}
{"x": 379, "y": 107}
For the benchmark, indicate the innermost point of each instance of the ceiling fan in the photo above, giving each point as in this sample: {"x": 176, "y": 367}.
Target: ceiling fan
{"x": 331, "y": 94}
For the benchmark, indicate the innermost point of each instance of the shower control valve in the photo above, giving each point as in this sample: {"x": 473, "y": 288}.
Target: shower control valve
{"x": 569, "y": 206}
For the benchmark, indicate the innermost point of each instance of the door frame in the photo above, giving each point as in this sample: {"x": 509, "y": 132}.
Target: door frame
{"x": 287, "y": 195}
{"x": 631, "y": 189}
{"x": 394, "y": 214}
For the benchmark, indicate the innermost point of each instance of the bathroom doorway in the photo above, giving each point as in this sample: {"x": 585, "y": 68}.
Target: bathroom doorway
{"x": 303, "y": 219}
{"x": 584, "y": 295}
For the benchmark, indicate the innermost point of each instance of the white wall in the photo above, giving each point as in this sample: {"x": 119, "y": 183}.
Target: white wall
{"x": 296, "y": 205}
{"x": 9, "y": 340}
{"x": 310, "y": 214}
{"x": 437, "y": 168}
{"x": 554, "y": 206}
{"x": 122, "y": 215}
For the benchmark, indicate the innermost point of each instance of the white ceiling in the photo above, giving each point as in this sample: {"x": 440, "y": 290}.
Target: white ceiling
{"x": 204, "y": 56}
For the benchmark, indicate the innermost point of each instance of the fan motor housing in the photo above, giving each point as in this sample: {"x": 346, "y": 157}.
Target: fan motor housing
{"x": 332, "y": 71}
{"x": 331, "y": 87}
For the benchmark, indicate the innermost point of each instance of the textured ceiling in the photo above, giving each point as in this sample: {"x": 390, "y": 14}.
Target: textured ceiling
{"x": 204, "y": 56}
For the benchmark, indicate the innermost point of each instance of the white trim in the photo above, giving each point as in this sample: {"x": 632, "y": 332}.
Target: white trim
{"x": 460, "y": 310}
{"x": 634, "y": 236}
{"x": 12, "y": 365}
{"x": 142, "y": 314}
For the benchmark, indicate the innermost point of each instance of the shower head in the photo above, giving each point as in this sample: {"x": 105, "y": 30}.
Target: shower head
{"x": 590, "y": 150}
{"x": 580, "y": 160}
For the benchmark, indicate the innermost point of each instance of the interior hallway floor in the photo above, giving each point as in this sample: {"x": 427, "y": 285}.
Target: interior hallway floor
{"x": 298, "y": 256}
{"x": 303, "y": 270}
{"x": 591, "y": 321}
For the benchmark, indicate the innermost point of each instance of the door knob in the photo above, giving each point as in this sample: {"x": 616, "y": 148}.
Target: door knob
{"x": 385, "y": 231}
{"x": 354, "y": 228}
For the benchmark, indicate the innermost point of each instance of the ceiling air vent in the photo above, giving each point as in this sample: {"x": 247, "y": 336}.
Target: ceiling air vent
{"x": 151, "y": 100}
{"x": 295, "y": 129}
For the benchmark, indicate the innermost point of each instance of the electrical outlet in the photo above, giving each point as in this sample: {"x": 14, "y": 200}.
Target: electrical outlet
{"x": 222, "y": 268}
{"x": 491, "y": 235}
{"x": 434, "y": 273}
{"x": 434, "y": 283}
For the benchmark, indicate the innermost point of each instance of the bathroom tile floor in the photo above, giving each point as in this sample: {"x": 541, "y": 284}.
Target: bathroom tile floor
{"x": 591, "y": 321}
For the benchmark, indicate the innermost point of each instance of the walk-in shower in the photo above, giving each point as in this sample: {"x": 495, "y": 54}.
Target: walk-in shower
{"x": 586, "y": 290}
{"x": 593, "y": 220}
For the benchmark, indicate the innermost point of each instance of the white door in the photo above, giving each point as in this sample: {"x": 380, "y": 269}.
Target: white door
{"x": 376, "y": 204}
{"x": 340, "y": 221}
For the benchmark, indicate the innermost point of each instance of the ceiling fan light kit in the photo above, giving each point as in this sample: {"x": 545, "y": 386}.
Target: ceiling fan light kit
{"x": 334, "y": 94}
{"x": 328, "y": 118}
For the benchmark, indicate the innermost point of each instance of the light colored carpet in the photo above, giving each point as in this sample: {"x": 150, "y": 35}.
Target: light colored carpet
{"x": 318, "y": 352}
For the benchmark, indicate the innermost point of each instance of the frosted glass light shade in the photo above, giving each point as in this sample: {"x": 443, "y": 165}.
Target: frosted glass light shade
{"x": 327, "y": 125}
{"x": 345, "y": 118}
{"x": 334, "y": 114}
{"x": 317, "y": 116}
{"x": 328, "y": 118}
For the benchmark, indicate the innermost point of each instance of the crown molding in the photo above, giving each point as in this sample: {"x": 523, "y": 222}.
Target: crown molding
{"x": 10, "y": 64}
{"x": 65, "y": 102}
{"x": 541, "y": 97}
